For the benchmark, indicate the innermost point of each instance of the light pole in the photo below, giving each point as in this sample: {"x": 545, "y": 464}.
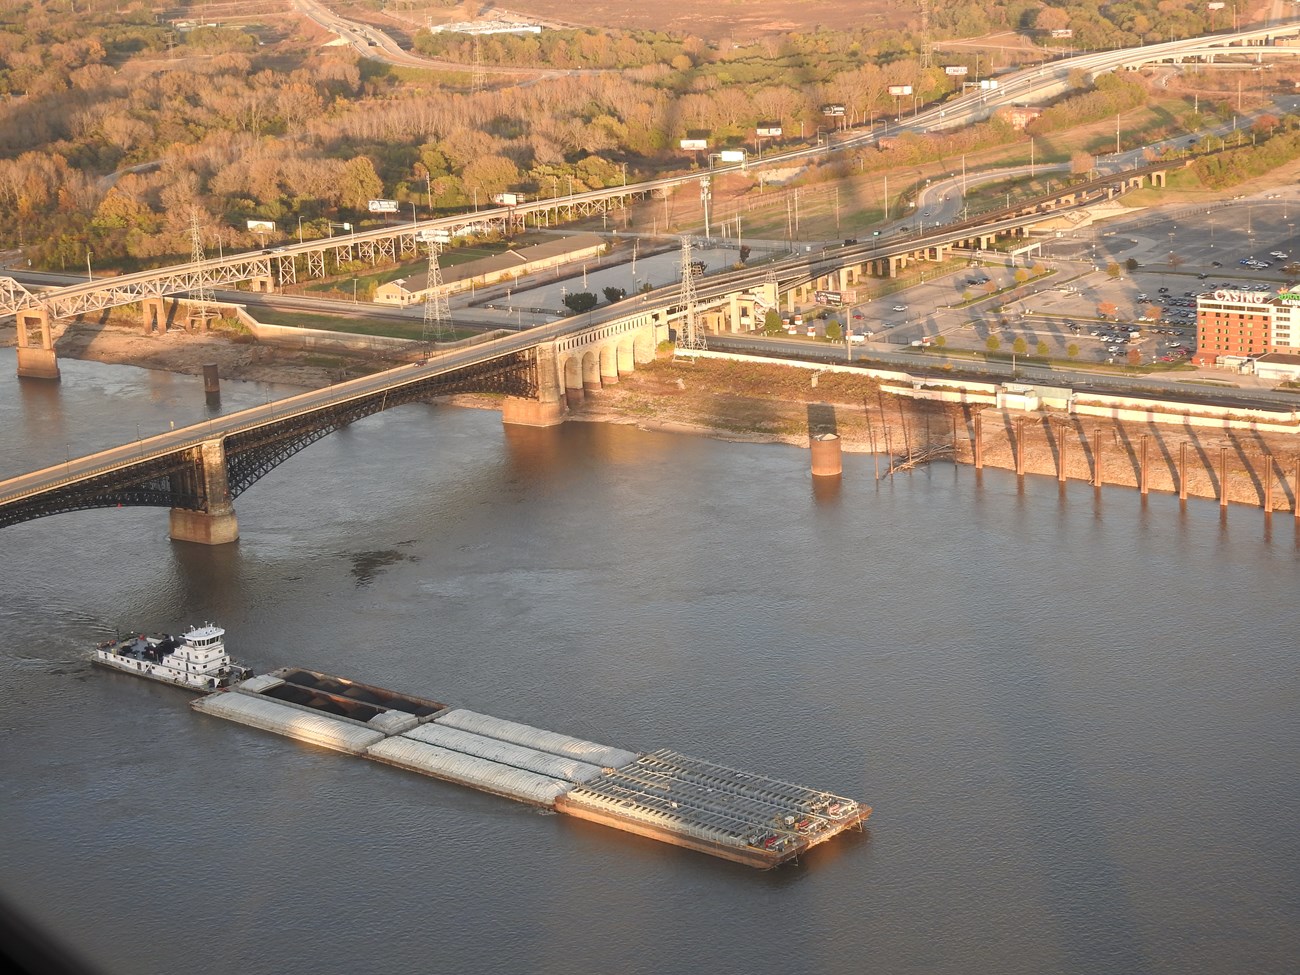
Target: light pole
{"x": 90, "y": 275}
{"x": 300, "y": 228}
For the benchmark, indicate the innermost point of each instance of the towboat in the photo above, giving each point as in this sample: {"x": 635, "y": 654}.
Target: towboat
{"x": 196, "y": 660}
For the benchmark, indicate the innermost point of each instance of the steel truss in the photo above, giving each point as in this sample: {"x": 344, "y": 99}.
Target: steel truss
{"x": 177, "y": 480}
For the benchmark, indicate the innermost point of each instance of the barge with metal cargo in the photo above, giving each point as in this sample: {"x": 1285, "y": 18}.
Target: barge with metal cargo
{"x": 663, "y": 795}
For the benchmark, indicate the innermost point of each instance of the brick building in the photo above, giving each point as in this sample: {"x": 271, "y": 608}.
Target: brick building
{"x": 1246, "y": 323}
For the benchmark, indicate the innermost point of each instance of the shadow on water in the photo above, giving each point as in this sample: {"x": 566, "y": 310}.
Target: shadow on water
{"x": 1081, "y": 880}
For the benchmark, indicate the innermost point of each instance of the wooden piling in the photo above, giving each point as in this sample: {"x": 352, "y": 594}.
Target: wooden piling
{"x": 1062, "y": 452}
{"x": 1268, "y": 484}
{"x": 1223, "y": 477}
{"x": 1020, "y": 447}
{"x": 1096, "y": 458}
{"x": 979, "y": 446}
{"x": 1182, "y": 471}
{"x": 1145, "y": 468}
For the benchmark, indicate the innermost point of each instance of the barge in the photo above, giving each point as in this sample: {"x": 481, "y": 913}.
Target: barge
{"x": 739, "y": 816}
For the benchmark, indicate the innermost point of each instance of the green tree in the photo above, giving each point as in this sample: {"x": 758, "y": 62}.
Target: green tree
{"x": 834, "y": 331}
{"x": 359, "y": 183}
{"x": 1072, "y": 350}
{"x": 1021, "y": 275}
{"x": 1042, "y": 348}
{"x": 940, "y": 341}
{"x": 772, "y": 322}
{"x": 993, "y": 344}
{"x": 1019, "y": 346}
{"x": 614, "y": 294}
{"x": 1113, "y": 270}
{"x": 580, "y": 301}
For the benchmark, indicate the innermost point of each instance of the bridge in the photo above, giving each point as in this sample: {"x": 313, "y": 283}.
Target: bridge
{"x": 198, "y": 471}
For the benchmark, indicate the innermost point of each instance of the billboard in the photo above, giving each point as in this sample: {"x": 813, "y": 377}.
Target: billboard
{"x": 897, "y": 90}
{"x": 266, "y": 226}
{"x": 769, "y": 130}
{"x": 834, "y": 110}
{"x": 988, "y": 83}
{"x": 732, "y": 155}
{"x": 828, "y": 298}
{"x": 695, "y": 143}
{"x": 1214, "y": 6}
{"x": 436, "y": 235}
{"x": 383, "y": 206}
{"x": 1067, "y": 32}
{"x": 508, "y": 199}
{"x": 955, "y": 69}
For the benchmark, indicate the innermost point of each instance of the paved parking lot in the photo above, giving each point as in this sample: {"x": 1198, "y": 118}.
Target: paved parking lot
{"x": 1179, "y": 255}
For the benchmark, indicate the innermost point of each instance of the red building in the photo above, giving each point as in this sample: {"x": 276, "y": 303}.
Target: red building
{"x": 1246, "y": 323}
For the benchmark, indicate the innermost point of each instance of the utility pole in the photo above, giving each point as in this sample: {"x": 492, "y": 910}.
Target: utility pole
{"x": 437, "y": 310}
{"x": 200, "y": 294}
{"x": 691, "y": 334}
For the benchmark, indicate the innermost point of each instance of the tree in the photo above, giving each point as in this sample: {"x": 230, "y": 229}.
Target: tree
{"x": 1082, "y": 163}
{"x": 772, "y": 322}
{"x": 993, "y": 344}
{"x": 359, "y": 183}
{"x": 1021, "y": 275}
{"x": 1072, "y": 350}
{"x": 1113, "y": 270}
{"x": 580, "y": 301}
{"x": 1019, "y": 346}
{"x": 834, "y": 331}
{"x": 1175, "y": 262}
{"x": 744, "y": 253}
{"x": 940, "y": 341}
{"x": 614, "y": 294}
{"x": 1134, "y": 356}
{"x": 1042, "y": 348}
{"x": 1107, "y": 309}
{"x": 1132, "y": 264}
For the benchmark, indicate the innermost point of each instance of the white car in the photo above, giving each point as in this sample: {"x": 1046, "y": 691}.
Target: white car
{"x": 900, "y": 308}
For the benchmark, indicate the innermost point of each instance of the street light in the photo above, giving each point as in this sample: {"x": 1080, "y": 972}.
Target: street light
{"x": 300, "y": 228}
{"x": 90, "y": 275}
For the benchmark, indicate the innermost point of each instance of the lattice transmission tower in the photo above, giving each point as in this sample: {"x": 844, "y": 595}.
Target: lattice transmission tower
{"x": 690, "y": 333}
{"x": 201, "y": 294}
{"x": 437, "y": 310}
{"x": 927, "y": 48}
{"x": 478, "y": 78}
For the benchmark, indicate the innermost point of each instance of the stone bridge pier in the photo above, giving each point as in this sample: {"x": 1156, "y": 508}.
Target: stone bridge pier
{"x": 36, "y": 358}
{"x": 217, "y": 524}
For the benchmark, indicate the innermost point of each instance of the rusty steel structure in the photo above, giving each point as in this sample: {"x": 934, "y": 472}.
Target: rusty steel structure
{"x": 178, "y": 479}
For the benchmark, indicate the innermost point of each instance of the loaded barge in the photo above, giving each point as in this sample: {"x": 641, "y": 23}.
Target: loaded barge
{"x": 739, "y": 816}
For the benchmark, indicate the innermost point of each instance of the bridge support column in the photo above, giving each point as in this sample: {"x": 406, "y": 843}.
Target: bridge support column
{"x": 154, "y": 313}
{"x": 36, "y": 358}
{"x": 548, "y": 408}
{"x": 217, "y": 525}
{"x": 263, "y": 285}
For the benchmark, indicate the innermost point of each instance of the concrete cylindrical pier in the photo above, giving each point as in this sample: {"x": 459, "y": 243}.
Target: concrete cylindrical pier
{"x": 211, "y": 384}
{"x": 826, "y": 455}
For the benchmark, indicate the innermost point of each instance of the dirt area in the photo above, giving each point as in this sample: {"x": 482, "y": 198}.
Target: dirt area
{"x": 729, "y": 18}
{"x": 187, "y": 353}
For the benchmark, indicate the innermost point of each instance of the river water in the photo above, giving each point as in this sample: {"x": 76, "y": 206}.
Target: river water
{"x": 1075, "y": 716}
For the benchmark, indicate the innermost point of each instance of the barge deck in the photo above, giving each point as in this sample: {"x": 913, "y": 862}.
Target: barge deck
{"x": 740, "y": 816}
